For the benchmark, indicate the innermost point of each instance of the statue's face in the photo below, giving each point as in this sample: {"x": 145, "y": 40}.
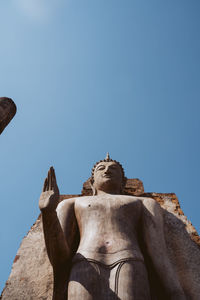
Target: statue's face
{"x": 108, "y": 176}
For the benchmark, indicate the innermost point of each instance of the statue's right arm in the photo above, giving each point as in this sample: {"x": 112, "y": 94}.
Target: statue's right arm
{"x": 153, "y": 234}
{"x": 57, "y": 245}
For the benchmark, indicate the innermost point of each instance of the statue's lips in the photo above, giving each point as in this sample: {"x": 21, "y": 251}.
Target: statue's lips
{"x": 107, "y": 176}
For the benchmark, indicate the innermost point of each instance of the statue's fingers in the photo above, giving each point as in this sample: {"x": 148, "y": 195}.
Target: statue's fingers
{"x": 54, "y": 177}
{"x": 45, "y": 185}
{"x": 55, "y": 186}
{"x": 49, "y": 180}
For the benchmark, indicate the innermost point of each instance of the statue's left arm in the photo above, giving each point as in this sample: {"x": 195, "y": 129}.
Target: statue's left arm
{"x": 153, "y": 233}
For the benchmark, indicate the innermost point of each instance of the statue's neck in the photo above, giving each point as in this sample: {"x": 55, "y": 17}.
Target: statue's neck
{"x": 110, "y": 191}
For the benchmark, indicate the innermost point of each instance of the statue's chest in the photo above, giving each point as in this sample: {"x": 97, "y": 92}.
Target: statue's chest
{"x": 114, "y": 206}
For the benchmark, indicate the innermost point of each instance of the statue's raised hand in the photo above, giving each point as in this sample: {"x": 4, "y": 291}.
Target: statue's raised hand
{"x": 49, "y": 198}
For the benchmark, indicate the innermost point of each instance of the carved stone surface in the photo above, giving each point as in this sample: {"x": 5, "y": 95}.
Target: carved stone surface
{"x": 31, "y": 276}
{"x": 7, "y": 112}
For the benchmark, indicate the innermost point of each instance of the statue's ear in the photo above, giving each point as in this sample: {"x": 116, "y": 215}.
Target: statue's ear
{"x": 94, "y": 191}
{"x": 123, "y": 185}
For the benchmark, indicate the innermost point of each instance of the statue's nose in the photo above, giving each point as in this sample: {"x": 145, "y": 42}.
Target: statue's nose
{"x": 107, "y": 170}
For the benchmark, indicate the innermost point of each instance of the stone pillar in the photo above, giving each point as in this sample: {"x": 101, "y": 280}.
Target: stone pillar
{"x": 7, "y": 111}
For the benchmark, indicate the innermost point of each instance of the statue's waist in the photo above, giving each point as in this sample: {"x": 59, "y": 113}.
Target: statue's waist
{"x": 109, "y": 258}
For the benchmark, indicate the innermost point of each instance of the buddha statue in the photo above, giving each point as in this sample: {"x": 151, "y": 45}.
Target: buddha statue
{"x": 99, "y": 246}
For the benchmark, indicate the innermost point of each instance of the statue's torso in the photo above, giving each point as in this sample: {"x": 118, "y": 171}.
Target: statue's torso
{"x": 108, "y": 226}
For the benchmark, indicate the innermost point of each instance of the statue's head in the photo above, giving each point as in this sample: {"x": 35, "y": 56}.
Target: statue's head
{"x": 108, "y": 176}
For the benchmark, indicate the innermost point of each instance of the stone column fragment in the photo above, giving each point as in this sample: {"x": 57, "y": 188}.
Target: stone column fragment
{"x": 7, "y": 111}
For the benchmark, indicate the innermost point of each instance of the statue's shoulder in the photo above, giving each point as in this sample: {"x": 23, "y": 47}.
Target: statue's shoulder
{"x": 83, "y": 199}
{"x": 149, "y": 203}
{"x": 66, "y": 203}
{"x": 70, "y": 202}
{"x": 129, "y": 198}
{"x": 139, "y": 199}
{"x": 145, "y": 201}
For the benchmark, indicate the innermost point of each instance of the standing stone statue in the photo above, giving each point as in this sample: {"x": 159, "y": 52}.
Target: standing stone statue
{"x": 7, "y": 112}
{"x": 102, "y": 246}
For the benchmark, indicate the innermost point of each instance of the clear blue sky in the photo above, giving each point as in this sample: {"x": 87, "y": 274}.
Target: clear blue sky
{"x": 90, "y": 77}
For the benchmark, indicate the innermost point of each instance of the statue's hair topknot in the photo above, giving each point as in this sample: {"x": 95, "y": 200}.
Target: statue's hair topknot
{"x": 107, "y": 159}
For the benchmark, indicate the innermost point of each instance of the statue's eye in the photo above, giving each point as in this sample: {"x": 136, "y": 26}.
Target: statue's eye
{"x": 113, "y": 167}
{"x": 100, "y": 168}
